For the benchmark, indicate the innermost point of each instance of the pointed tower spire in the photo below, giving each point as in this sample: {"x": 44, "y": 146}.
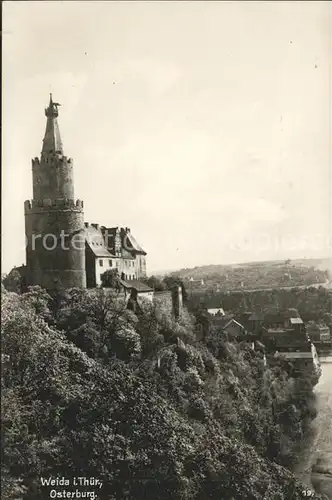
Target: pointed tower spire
{"x": 55, "y": 212}
{"x": 52, "y": 140}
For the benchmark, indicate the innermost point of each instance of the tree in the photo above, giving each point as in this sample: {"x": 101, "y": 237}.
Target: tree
{"x": 291, "y": 313}
{"x": 195, "y": 420}
{"x": 91, "y": 318}
{"x": 327, "y": 318}
{"x": 175, "y": 281}
{"x": 155, "y": 283}
{"x": 13, "y": 281}
{"x": 110, "y": 279}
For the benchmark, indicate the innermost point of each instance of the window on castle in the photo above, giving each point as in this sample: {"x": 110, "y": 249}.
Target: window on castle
{"x": 101, "y": 263}
{"x": 110, "y": 263}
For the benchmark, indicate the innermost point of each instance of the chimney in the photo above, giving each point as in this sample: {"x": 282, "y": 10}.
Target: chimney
{"x": 96, "y": 226}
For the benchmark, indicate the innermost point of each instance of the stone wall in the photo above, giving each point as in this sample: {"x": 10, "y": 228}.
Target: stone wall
{"x": 163, "y": 298}
{"x": 53, "y": 177}
{"x": 170, "y": 299}
{"x": 55, "y": 246}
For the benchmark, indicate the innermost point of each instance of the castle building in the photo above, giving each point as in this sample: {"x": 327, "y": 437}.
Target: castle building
{"x": 112, "y": 248}
{"x": 62, "y": 250}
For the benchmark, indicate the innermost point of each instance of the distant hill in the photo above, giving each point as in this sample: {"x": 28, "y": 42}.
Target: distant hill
{"x": 253, "y": 275}
{"x": 322, "y": 264}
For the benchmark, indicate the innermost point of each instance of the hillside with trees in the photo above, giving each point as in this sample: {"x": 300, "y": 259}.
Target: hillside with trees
{"x": 256, "y": 275}
{"x": 91, "y": 389}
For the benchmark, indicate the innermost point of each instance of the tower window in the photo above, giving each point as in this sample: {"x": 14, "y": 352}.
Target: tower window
{"x": 101, "y": 263}
{"x": 110, "y": 263}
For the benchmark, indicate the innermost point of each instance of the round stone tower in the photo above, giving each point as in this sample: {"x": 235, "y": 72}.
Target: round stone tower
{"x": 54, "y": 220}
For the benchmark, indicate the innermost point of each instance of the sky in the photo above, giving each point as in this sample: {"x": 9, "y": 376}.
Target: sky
{"x": 205, "y": 127}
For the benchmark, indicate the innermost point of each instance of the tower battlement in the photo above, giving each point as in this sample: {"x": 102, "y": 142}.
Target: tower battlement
{"x": 53, "y": 176}
{"x": 54, "y": 159}
{"x": 53, "y": 211}
{"x": 58, "y": 204}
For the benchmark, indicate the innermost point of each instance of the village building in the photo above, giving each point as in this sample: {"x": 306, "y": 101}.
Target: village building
{"x": 284, "y": 333}
{"x": 320, "y": 335}
{"x": 233, "y": 329}
{"x": 216, "y": 311}
{"x": 303, "y": 361}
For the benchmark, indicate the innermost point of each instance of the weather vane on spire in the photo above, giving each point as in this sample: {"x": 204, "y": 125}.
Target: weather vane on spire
{"x": 52, "y": 110}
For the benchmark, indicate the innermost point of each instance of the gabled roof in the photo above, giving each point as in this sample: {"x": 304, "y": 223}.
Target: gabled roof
{"x": 126, "y": 255}
{"x": 21, "y": 270}
{"x": 297, "y": 355}
{"x": 134, "y": 243}
{"x": 233, "y": 321}
{"x": 95, "y": 241}
{"x": 276, "y": 330}
{"x": 100, "y": 252}
{"x": 296, "y": 321}
{"x": 129, "y": 244}
{"x": 135, "y": 284}
{"x": 215, "y": 310}
{"x": 220, "y": 321}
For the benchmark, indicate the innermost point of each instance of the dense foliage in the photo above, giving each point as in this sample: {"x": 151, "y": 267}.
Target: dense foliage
{"x": 167, "y": 283}
{"x": 89, "y": 388}
{"x": 312, "y": 304}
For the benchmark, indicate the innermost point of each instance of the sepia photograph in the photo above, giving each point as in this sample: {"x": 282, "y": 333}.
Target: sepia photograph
{"x": 166, "y": 283}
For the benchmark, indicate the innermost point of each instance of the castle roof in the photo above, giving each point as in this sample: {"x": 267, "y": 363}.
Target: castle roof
{"x": 96, "y": 243}
{"x": 126, "y": 255}
{"x": 137, "y": 285}
{"x": 129, "y": 245}
{"x": 102, "y": 245}
{"x": 100, "y": 252}
{"x": 134, "y": 243}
